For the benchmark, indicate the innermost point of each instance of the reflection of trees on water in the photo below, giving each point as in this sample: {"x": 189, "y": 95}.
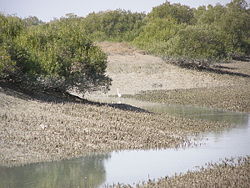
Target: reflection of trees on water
{"x": 86, "y": 172}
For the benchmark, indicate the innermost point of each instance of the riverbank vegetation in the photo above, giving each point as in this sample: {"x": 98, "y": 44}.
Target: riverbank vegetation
{"x": 61, "y": 54}
{"x": 175, "y": 30}
{"x": 56, "y": 56}
{"x": 49, "y": 59}
{"x": 212, "y": 32}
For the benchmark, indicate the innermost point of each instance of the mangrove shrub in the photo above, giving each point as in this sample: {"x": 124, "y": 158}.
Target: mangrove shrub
{"x": 55, "y": 56}
{"x": 197, "y": 42}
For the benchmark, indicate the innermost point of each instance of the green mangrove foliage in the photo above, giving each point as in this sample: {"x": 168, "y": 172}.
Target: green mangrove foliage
{"x": 180, "y": 13}
{"x": 55, "y": 56}
{"x": 155, "y": 35}
{"x": 32, "y": 21}
{"x": 117, "y": 25}
{"x": 10, "y": 28}
{"x": 197, "y": 42}
{"x": 212, "y": 32}
{"x": 231, "y": 21}
{"x": 61, "y": 55}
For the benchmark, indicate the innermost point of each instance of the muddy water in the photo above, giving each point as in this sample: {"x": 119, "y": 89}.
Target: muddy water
{"x": 131, "y": 167}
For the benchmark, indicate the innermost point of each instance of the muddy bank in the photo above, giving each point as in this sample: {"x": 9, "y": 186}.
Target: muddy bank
{"x": 35, "y": 131}
{"x": 150, "y": 78}
{"x": 231, "y": 173}
{"x": 233, "y": 98}
{"x": 133, "y": 71}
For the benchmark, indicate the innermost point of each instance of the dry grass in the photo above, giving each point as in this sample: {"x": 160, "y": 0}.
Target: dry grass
{"x": 231, "y": 173}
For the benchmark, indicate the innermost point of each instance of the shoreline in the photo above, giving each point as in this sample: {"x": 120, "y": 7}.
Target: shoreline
{"x": 234, "y": 172}
{"x": 234, "y": 98}
{"x": 35, "y": 131}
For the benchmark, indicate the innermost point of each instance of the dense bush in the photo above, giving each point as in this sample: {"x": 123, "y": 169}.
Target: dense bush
{"x": 10, "y": 28}
{"x": 118, "y": 25}
{"x": 178, "y": 12}
{"x": 156, "y": 33}
{"x": 7, "y": 66}
{"x": 212, "y": 32}
{"x": 32, "y": 21}
{"x": 232, "y": 21}
{"x": 60, "y": 55}
{"x": 197, "y": 42}
{"x": 56, "y": 56}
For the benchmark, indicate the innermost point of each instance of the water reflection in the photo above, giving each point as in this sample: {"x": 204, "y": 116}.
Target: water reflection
{"x": 187, "y": 111}
{"x": 200, "y": 113}
{"x": 130, "y": 167}
{"x": 88, "y": 171}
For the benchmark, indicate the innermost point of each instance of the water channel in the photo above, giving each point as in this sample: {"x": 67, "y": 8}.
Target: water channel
{"x": 131, "y": 167}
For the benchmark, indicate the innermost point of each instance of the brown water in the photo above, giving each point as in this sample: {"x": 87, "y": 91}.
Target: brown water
{"x": 130, "y": 167}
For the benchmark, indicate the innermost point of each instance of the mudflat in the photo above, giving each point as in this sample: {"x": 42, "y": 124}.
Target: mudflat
{"x": 134, "y": 71}
{"x": 33, "y": 130}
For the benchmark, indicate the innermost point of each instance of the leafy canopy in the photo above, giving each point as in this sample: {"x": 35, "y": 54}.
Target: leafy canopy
{"x": 54, "y": 56}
